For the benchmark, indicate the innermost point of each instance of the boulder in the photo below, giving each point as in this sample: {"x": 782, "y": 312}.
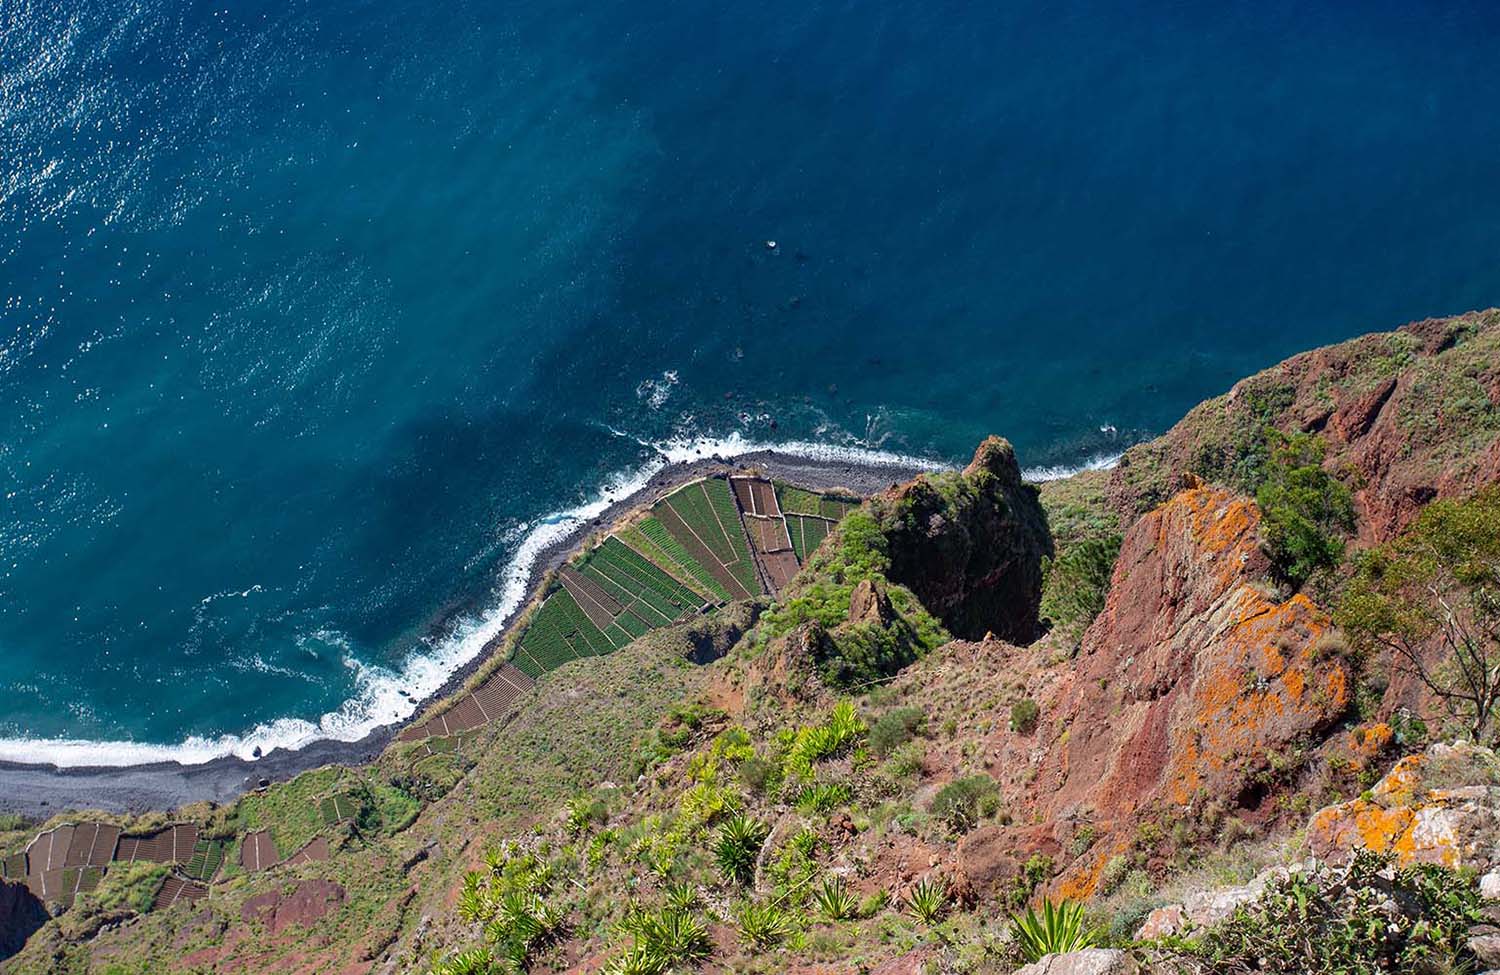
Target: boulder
{"x": 1090, "y": 961}
{"x": 1442, "y": 806}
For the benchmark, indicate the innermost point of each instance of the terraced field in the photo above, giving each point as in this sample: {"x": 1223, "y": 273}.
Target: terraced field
{"x": 703, "y": 516}
{"x": 807, "y": 533}
{"x": 560, "y": 631}
{"x": 651, "y": 538}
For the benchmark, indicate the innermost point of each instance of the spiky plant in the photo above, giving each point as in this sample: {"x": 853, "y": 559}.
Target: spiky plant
{"x": 834, "y": 900}
{"x": 682, "y": 896}
{"x": 676, "y": 935}
{"x": 639, "y": 959}
{"x": 475, "y": 961}
{"x": 1059, "y": 928}
{"x": 763, "y": 925}
{"x": 473, "y": 900}
{"x": 928, "y": 900}
{"x": 740, "y": 839}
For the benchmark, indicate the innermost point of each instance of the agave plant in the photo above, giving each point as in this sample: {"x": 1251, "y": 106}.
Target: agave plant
{"x": 928, "y": 900}
{"x": 763, "y": 925}
{"x": 474, "y": 900}
{"x": 677, "y": 936}
{"x": 475, "y": 961}
{"x": 682, "y": 897}
{"x": 834, "y": 900}
{"x": 1059, "y": 928}
{"x": 740, "y": 839}
{"x": 639, "y": 959}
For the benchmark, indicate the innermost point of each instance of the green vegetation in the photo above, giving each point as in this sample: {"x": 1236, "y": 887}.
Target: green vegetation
{"x": 651, "y": 538}
{"x": 640, "y": 587}
{"x": 1368, "y": 917}
{"x": 798, "y": 501}
{"x": 708, "y": 510}
{"x": 834, "y": 901}
{"x": 964, "y": 802}
{"x": 290, "y": 811}
{"x": 855, "y": 653}
{"x": 1076, "y": 583}
{"x": 1305, "y": 512}
{"x": 208, "y": 856}
{"x": 1059, "y": 928}
{"x": 131, "y": 886}
{"x": 559, "y": 631}
{"x": 895, "y": 728}
{"x": 763, "y": 924}
{"x": 807, "y": 533}
{"x": 508, "y": 899}
{"x": 740, "y": 840}
{"x": 1023, "y": 716}
{"x": 1437, "y": 586}
{"x": 928, "y": 900}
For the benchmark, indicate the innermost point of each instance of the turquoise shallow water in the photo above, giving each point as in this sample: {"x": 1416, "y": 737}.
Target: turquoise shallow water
{"x": 310, "y": 311}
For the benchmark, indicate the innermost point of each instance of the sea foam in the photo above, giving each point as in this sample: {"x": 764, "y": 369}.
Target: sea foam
{"x": 385, "y": 695}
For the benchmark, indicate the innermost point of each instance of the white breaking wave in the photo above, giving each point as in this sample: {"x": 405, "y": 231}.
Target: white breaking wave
{"x": 385, "y": 696}
{"x": 1103, "y": 462}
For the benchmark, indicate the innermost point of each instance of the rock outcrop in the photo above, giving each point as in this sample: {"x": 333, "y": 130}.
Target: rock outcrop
{"x": 1188, "y": 687}
{"x": 1089, "y": 961}
{"x": 1442, "y": 806}
{"x": 1414, "y": 414}
{"x": 970, "y": 545}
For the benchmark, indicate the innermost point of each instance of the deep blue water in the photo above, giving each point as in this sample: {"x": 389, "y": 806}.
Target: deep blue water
{"x": 309, "y": 310}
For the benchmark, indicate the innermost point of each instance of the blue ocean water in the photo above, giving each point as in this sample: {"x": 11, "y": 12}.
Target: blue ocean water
{"x": 311, "y": 312}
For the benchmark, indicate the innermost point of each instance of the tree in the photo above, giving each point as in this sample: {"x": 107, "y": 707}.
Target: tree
{"x": 1432, "y": 598}
{"x": 1305, "y": 511}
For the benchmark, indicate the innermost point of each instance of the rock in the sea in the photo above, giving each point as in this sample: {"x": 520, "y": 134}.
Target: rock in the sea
{"x": 1090, "y": 961}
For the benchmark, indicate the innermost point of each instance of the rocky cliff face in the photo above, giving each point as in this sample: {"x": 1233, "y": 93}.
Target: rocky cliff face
{"x": 970, "y": 545}
{"x": 1412, "y": 415}
{"x": 1187, "y": 688}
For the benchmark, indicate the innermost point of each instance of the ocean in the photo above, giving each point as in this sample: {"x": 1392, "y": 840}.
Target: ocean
{"x": 319, "y": 319}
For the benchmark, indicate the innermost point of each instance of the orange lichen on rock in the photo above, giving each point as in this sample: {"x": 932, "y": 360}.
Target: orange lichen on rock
{"x": 1409, "y": 815}
{"x": 1205, "y": 678}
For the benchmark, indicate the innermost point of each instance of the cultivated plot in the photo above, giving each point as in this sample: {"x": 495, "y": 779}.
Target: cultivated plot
{"x": 704, "y": 518}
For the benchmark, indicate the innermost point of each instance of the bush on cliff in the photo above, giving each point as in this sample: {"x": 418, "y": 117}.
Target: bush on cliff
{"x": 1305, "y": 511}
{"x": 1366, "y": 917}
{"x": 1076, "y": 583}
{"x": 860, "y": 651}
{"x": 1432, "y": 599}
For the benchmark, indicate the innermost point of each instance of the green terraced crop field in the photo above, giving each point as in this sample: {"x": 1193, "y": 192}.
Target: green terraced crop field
{"x": 707, "y": 515}
{"x": 651, "y": 538}
{"x": 797, "y": 501}
{"x": 640, "y": 587}
{"x": 806, "y": 533}
{"x": 207, "y": 856}
{"x": 336, "y": 809}
{"x": 559, "y": 632}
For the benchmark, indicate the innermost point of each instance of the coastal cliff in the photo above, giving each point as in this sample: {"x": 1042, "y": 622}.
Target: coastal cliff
{"x": 1141, "y": 690}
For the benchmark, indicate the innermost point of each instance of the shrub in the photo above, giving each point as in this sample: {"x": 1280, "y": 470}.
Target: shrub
{"x": 823, "y": 797}
{"x": 1024, "y": 715}
{"x": 740, "y": 840}
{"x": 1438, "y": 586}
{"x": 1365, "y": 917}
{"x": 585, "y": 812}
{"x": 1058, "y": 929}
{"x": 1076, "y": 583}
{"x": 960, "y": 801}
{"x": 928, "y": 900}
{"x": 834, "y": 900}
{"x": 907, "y": 759}
{"x": 894, "y": 728}
{"x": 1305, "y": 512}
{"x": 763, "y": 925}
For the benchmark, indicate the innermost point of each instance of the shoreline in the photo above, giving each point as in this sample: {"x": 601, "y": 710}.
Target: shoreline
{"x": 42, "y": 790}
